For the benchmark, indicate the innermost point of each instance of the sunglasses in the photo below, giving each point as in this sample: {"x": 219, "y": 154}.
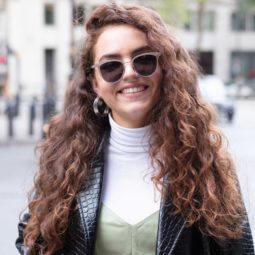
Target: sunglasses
{"x": 144, "y": 64}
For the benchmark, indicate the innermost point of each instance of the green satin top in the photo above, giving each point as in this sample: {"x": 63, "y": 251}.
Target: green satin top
{"x": 117, "y": 237}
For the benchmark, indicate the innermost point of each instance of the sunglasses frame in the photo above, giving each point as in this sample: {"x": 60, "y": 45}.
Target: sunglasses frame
{"x": 98, "y": 65}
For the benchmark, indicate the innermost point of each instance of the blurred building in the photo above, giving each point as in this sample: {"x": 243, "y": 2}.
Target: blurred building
{"x": 39, "y": 40}
{"x": 227, "y": 40}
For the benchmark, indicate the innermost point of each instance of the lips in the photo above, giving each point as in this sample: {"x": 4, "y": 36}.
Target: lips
{"x": 133, "y": 89}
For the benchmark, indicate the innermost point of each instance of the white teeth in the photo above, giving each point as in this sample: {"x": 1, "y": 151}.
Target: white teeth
{"x": 133, "y": 90}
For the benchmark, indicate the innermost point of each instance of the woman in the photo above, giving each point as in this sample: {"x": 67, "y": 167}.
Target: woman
{"x": 134, "y": 163}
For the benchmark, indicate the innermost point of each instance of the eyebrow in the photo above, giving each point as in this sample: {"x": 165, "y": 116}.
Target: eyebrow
{"x": 134, "y": 52}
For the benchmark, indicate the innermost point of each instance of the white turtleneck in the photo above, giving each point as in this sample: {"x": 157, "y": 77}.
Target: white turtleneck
{"x": 127, "y": 189}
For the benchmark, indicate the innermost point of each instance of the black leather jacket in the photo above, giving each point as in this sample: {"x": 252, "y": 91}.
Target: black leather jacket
{"x": 173, "y": 237}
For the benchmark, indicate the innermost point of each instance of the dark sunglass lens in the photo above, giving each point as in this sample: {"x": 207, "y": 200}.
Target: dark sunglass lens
{"x": 111, "y": 71}
{"x": 145, "y": 65}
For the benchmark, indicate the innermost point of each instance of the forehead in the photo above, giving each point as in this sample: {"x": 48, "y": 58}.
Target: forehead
{"x": 119, "y": 40}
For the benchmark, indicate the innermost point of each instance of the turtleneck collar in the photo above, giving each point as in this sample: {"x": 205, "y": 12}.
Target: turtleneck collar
{"x": 131, "y": 140}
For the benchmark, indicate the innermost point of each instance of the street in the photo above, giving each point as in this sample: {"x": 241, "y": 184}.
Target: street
{"x": 18, "y": 165}
{"x": 16, "y": 175}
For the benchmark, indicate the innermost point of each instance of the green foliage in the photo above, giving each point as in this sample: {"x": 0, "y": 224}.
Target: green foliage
{"x": 245, "y": 5}
{"x": 174, "y": 12}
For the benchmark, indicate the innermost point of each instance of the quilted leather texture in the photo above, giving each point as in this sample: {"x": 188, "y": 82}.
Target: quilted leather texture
{"x": 169, "y": 229}
{"x": 80, "y": 237}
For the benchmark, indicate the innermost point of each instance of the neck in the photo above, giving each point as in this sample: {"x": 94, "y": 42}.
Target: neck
{"x": 129, "y": 139}
{"x": 135, "y": 122}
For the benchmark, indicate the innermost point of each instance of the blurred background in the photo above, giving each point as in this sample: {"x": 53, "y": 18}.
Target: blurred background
{"x": 39, "y": 40}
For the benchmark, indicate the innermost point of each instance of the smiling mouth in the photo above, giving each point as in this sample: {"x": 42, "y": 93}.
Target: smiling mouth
{"x": 133, "y": 90}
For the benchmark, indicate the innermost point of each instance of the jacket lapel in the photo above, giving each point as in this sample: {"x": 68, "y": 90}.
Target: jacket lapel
{"x": 170, "y": 228}
{"x": 88, "y": 200}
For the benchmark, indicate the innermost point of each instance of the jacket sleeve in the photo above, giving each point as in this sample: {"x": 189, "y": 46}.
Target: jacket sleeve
{"x": 244, "y": 246}
{"x": 22, "y": 248}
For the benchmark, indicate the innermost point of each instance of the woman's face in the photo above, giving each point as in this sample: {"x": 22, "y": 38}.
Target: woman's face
{"x": 132, "y": 98}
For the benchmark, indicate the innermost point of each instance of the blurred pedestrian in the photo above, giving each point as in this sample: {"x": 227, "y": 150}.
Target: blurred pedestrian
{"x": 32, "y": 115}
{"x": 10, "y": 112}
{"x": 134, "y": 164}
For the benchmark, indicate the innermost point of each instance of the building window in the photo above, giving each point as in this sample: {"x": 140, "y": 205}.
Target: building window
{"x": 206, "y": 61}
{"x": 49, "y": 14}
{"x": 208, "y": 21}
{"x": 50, "y": 75}
{"x": 79, "y": 14}
{"x": 238, "y": 21}
{"x": 251, "y": 17}
{"x": 243, "y": 65}
{"x": 243, "y": 21}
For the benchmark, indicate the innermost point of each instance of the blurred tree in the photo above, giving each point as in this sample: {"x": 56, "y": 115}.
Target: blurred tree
{"x": 173, "y": 12}
{"x": 245, "y": 5}
{"x": 201, "y": 4}
{"x": 176, "y": 13}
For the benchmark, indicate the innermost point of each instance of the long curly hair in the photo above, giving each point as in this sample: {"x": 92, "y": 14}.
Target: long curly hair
{"x": 188, "y": 149}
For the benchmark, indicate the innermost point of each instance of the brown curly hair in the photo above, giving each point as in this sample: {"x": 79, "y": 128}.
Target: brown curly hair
{"x": 188, "y": 148}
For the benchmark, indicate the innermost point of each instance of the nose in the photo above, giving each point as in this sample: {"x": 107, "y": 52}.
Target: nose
{"x": 129, "y": 72}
